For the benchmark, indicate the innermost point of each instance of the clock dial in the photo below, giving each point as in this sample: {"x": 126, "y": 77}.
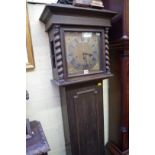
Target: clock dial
{"x": 82, "y": 52}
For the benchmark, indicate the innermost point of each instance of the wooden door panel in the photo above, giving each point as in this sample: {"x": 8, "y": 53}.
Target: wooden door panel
{"x": 86, "y": 119}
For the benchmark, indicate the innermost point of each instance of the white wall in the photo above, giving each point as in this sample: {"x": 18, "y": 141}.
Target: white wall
{"x": 44, "y": 102}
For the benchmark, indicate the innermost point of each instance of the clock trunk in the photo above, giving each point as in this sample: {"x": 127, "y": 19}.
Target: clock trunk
{"x": 82, "y": 108}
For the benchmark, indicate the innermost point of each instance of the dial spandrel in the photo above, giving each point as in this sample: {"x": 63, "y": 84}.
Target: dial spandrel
{"x": 82, "y": 52}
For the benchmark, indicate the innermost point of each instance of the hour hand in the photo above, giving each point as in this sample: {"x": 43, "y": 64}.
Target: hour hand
{"x": 86, "y": 54}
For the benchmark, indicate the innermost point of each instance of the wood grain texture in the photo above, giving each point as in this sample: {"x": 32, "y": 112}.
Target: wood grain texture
{"x": 37, "y": 144}
{"x": 58, "y": 51}
{"x": 126, "y": 18}
{"x": 107, "y": 59}
{"x": 125, "y": 100}
{"x": 71, "y": 15}
{"x": 85, "y": 117}
{"x": 116, "y": 151}
{"x": 119, "y": 87}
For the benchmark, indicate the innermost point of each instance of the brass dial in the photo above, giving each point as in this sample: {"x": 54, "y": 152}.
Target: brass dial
{"x": 82, "y": 51}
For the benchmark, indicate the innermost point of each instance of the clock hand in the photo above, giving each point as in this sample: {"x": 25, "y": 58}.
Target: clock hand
{"x": 87, "y": 54}
{"x": 86, "y": 59}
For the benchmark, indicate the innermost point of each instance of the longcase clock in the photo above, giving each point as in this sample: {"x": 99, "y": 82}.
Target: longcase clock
{"x": 78, "y": 40}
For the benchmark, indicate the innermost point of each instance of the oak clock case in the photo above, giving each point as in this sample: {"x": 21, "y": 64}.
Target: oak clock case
{"x": 80, "y": 61}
